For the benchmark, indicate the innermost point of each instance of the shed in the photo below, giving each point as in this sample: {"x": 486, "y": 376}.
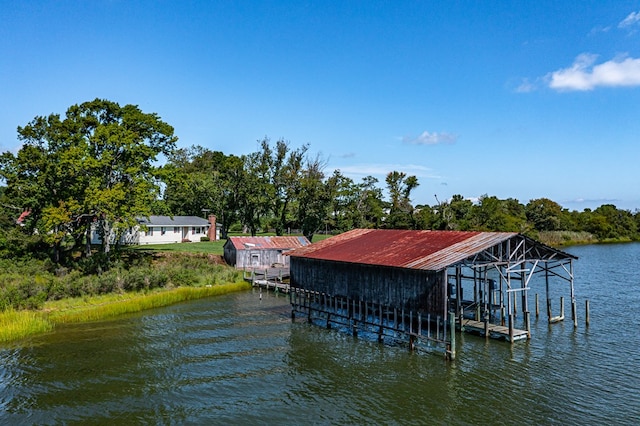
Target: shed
{"x": 260, "y": 252}
{"x": 406, "y": 283}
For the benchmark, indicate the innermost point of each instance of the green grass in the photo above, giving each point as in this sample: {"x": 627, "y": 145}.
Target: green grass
{"x": 16, "y": 325}
{"x": 110, "y": 306}
{"x": 208, "y": 247}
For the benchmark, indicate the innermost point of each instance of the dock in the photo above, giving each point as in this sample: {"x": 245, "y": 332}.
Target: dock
{"x": 271, "y": 278}
{"x": 495, "y": 331}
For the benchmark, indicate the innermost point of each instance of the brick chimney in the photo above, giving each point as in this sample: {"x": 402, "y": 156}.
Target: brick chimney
{"x": 212, "y": 228}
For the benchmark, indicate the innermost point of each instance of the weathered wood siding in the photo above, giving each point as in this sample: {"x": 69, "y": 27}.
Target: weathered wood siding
{"x": 411, "y": 289}
{"x": 253, "y": 258}
{"x": 229, "y": 253}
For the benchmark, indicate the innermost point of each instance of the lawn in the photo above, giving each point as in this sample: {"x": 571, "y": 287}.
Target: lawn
{"x": 208, "y": 247}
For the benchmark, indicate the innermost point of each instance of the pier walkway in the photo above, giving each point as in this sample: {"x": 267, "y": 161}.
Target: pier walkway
{"x": 495, "y": 331}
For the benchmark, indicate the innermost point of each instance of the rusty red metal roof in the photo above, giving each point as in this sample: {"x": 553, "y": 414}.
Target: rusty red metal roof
{"x": 427, "y": 250}
{"x": 283, "y": 243}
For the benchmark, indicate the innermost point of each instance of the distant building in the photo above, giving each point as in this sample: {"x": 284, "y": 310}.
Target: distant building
{"x": 167, "y": 229}
{"x": 255, "y": 252}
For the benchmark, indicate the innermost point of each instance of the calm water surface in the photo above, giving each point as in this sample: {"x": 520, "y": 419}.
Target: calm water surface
{"x": 237, "y": 359}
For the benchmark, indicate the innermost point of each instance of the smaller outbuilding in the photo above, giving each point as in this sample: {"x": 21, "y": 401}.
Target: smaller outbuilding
{"x": 260, "y": 252}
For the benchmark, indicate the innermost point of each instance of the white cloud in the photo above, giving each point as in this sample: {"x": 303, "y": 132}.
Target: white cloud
{"x": 584, "y": 74}
{"x": 526, "y": 86}
{"x": 427, "y": 138}
{"x": 382, "y": 170}
{"x": 630, "y": 21}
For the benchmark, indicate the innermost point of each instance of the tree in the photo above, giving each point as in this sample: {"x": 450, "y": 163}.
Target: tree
{"x": 544, "y": 214}
{"x": 400, "y": 211}
{"x": 314, "y": 198}
{"x": 95, "y": 164}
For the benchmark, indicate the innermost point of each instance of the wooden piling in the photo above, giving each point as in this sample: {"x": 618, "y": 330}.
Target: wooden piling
{"x": 452, "y": 328}
{"x": 511, "y": 328}
{"x": 537, "y": 306}
{"x": 486, "y": 328}
{"x": 573, "y": 313}
{"x": 561, "y": 306}
{"x": 586, "y": 310}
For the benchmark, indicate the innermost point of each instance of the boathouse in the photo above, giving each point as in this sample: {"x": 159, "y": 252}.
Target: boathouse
{"x": 419, "y": 286}
{"x": 261, "y": 252}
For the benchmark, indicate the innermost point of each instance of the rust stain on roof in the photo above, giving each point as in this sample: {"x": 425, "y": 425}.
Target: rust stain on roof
{"x": 283, "y": 243}
{"x": 427, "y": 250}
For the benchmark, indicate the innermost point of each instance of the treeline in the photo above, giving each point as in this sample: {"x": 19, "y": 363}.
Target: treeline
{"x": 98, "y": 167}
{"x": 279, "y": 189}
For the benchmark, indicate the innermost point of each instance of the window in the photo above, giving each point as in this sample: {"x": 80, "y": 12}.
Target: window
{"x": 149, "y": 232}
{"x": 162, "y": 230}
{"x": 176, "y": 230}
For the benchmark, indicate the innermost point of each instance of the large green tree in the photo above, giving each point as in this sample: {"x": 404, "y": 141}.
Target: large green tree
{"x": 96, "y": 165}
{"x": 400, "y": 187}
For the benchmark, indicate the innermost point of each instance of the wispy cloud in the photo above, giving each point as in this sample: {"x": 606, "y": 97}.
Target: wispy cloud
{"x": 526, "y": 86}
{"x": 631, "y": 22}
{"x": 347, "y": 155}
{"x": 381, "y": 170}
{"x": 428, "y": 138}
{"x": 585, "y": 74}
{"x": 599, "y": 30}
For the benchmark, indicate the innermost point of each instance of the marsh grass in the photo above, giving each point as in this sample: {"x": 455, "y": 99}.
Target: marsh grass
{"x": 16, "y": 325}
{"x": 110, "y": 306}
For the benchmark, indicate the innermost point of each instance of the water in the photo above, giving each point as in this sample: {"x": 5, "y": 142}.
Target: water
{"x": 237, "y": 359}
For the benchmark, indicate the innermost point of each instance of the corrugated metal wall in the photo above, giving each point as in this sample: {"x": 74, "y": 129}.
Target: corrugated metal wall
{"x": 411, "y": 289}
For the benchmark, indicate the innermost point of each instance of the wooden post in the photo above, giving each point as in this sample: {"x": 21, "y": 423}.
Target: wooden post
{"x": 511, "y": 328}
{"x": 574, "y": 317}
{"x": 537, "y": 307}
{"x": 395, "y": 318}
{"x": 586, "y": 310}
{"x": 546, "y": 279}
{"x": 486, "y": 327}
{"x": 527, "y": 324}
{"x": 561, "y": 306}
{"x": 452, "y": 328}
{"x": 380, "y": 330}
{"x": 428, "y": 326}
{"x": 410, "y": 322}
{"x": 438, "y": 327}
{"x": 419, "y": 324}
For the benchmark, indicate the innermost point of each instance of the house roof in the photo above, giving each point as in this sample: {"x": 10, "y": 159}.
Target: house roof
{"x": 265, "y": 243}
{"x": 426, "y": 250}
{"x": 174, "y": 221}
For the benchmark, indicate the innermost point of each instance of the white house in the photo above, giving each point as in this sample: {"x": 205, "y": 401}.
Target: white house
{"x": 167, "y": 229}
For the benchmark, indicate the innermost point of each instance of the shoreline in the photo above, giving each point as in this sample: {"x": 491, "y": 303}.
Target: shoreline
{"x": 20, "y": 324}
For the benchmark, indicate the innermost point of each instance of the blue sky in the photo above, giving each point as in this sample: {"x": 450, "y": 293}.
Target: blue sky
{"x": 506, "y": 98}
